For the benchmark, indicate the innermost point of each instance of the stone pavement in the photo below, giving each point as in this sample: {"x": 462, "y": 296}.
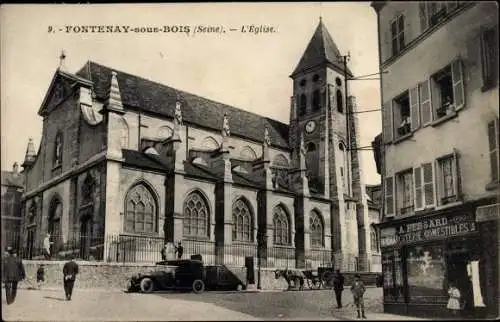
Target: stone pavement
{"x": 105, "y": 305}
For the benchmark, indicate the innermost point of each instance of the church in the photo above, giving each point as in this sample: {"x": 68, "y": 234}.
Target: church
{"x": 126, "y": 165}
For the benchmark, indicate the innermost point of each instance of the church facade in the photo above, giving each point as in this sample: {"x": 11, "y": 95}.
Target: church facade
{"x": 123, "y": 159}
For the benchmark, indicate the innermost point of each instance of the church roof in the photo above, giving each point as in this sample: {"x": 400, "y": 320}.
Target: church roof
{"x": 320, "y": 50}
{"x": 142, "y": 94}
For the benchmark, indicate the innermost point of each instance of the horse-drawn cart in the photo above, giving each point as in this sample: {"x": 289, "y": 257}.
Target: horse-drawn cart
{"x": 323, "y": 277}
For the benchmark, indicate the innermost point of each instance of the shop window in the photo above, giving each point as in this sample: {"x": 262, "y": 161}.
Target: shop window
{"x": 493, "y": 145}
{"x": 489, "y": 57}
{"x": 392, "y": 271}
{"x": 426, "y": 272}
{"x": 404, "y": 188}
{"x": 398, "y": 34}
{"x": 448, "y": 179}
{"x": 402, "y": 116}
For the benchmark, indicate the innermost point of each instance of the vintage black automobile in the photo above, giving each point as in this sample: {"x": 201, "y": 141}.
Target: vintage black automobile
{"x": 185, "y": 275}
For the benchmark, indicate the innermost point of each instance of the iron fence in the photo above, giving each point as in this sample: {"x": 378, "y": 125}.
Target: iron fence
{"x": 148, "y": 249}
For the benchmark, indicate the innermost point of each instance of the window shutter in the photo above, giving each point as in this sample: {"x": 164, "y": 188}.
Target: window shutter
{"x": 417, "y": 181}
{"x": 424, "y": 22}
{"x": 457, "y": 178}
{"x": 429, "y": 184}
{"x": 389, "y": 196}
{"x": 387, "y": 121}
{"x": 414, "y": 109}
{"x": 493, "y": 149}
{"x": 458, "y": 84}
{"x": 425, "y": 102}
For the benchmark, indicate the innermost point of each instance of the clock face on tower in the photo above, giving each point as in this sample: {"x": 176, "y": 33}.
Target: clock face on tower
{"x": 310, "y": 126}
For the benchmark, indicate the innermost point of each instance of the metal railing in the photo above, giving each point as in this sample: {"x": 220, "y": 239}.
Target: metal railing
{"x": 148, "y": 249}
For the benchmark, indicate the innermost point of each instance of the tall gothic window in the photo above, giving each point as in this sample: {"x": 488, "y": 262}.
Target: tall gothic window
{"x": 242, "y": 221}
{"x": 316, "y": 229}
{"x": 302, "y": 104}
{"x": 141, "y": 210}
{"x": 312, "y": 161}
{"x": 58, "y": 148}
{"x": 316, "y": 100}
{"x": 340, "y": 101}
{"x": 343, "y": 166}
{"x": 282, "y": 229}
{"x": 196, "y": 216}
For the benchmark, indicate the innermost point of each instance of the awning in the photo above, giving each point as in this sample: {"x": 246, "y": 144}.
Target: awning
{"x": 487, "y": 213}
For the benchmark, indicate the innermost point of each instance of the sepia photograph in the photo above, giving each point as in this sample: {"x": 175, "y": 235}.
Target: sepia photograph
{"x": 250, "y": 161}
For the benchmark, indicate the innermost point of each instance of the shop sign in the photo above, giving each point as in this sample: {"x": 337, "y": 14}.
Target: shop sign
{"x": 488, "y": 213}
{"x": 440, "y": 227}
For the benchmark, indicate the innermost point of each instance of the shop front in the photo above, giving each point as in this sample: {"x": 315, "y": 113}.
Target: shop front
{"x": 422, "y": 255}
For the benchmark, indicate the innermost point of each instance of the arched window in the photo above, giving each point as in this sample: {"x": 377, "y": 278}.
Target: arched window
{"x": 316, "y": 229}
{"x": 196, "y": 215}
{"x": 374, "y": 239}
{"x": 242, "y": 221}
{"x": 340, "y": 103}
{"x": 124, "y": 134}
{"x": 280, "y": 161}
{"x": 209, "y": 143}
{"x": 302, "y": 104}
{"x": 316, "y": 100}
{"x": 88, "y": 188}
{"x": 247, "y": 153}
{"x": 282, "y": 229}
{"x": 58, "y": 149}
{"x": 140, "y": 210}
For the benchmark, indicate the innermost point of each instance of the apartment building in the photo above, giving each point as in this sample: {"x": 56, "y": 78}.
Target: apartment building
{"x": 439, "y": 155}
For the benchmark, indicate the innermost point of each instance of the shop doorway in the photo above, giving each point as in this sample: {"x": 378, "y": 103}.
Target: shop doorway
{"x": 457, "y": 261}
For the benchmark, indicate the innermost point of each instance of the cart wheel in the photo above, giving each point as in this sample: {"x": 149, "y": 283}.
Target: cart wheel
{"x": 198, "y": 286}
{"x": 327, "y": 279}
{"x": 314, "y": 284}
{"x": 147, "y": 285}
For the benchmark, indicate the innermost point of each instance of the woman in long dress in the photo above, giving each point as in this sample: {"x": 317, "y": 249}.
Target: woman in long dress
{"x": 454, "y": 301}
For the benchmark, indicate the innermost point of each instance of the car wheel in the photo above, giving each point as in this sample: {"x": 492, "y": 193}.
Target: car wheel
{"x": 239, "y": 287}
{"x": 198, "y": 286}
{"x": 147, "y": 285}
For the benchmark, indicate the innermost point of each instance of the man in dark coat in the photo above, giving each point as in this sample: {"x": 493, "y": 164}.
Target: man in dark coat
{"x": 13, "y": 272}
{"x": 70, "y": 270}
{"x": 179, "y": 250}
{"x": 338, "y": 287}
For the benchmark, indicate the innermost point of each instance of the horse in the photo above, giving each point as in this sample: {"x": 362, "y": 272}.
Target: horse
{"x": 291, "y": 275}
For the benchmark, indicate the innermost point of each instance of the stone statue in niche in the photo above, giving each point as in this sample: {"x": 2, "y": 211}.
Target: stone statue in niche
{"x": 58, "y": 151}
{"x": 225, "y": 126}
{"x": 32, "y": 212}
{"x": 267, "y": 138}
{"x": 178, "y": 113}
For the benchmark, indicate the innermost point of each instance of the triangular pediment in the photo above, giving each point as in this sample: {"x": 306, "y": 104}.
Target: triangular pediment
{"x": 60, "y": 89}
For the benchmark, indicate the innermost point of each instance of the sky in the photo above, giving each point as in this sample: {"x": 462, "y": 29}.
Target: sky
{"x": 246, "y": 70}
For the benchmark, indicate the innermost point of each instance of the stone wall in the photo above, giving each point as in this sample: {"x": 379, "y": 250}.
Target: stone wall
{"x": 116, "y": 275}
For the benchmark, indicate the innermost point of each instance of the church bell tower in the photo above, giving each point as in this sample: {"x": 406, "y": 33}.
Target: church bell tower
{"x": 318, "y": 114}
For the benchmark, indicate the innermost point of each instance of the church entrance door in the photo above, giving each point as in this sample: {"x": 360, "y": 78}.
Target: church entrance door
{"x": 85, "y": 237}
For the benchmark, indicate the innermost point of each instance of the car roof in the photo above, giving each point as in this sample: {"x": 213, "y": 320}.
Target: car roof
{"x": 179, "y": 262}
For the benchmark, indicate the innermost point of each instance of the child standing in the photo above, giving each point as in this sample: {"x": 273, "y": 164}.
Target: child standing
{"x": 40, "y": 276}
{"x": 454, "y": 301}
{"x": 358, "y": 290}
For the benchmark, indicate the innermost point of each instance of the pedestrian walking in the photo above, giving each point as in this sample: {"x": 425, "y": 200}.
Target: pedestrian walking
{"x": 70, "y": 270}
{"x": 179, "y": 250}
{"x": 46, "y": 246}
{"x": 358, "y": 290}
{"x": 338, "y": 286}
{"x": 454, "y": 300}
{"x": 40, "y": 276}
{"x": 13, "y": 272}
